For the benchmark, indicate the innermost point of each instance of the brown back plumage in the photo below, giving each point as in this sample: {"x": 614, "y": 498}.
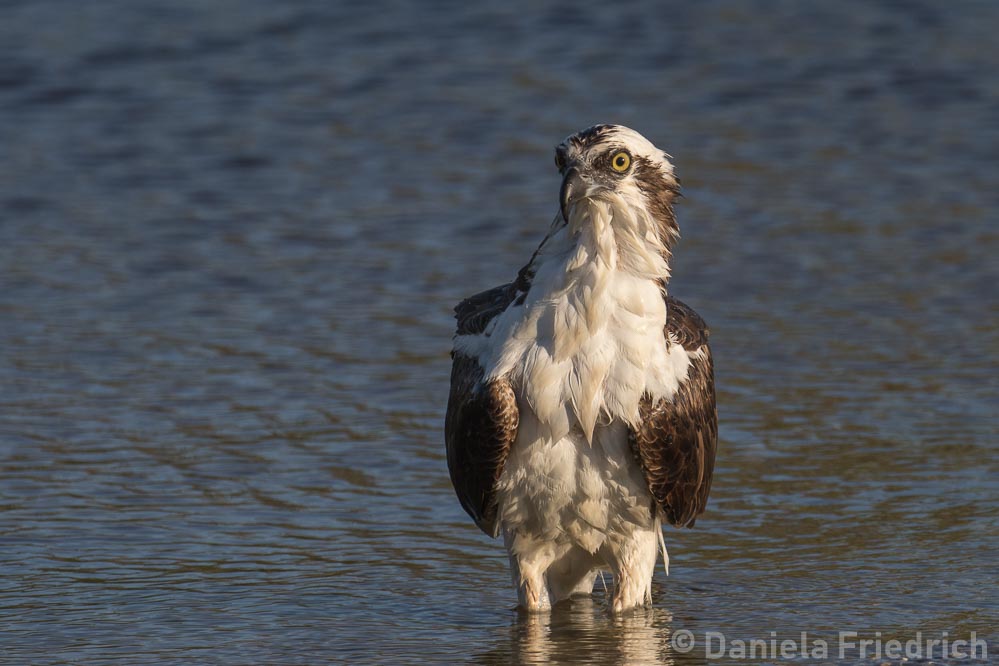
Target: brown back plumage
{"x": 676, "y": 440}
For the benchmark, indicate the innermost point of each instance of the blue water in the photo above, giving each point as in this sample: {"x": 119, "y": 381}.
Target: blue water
{"x": 231, "y": 234}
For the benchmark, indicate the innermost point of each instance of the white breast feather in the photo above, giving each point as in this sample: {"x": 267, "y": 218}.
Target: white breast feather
{"x": 587, "y": 342}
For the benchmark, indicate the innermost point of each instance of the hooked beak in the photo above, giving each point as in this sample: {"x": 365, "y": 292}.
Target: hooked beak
{"x": 574, "y": 188}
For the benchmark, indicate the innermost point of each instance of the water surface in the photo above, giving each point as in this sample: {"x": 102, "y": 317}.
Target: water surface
{"x": 231, "y": 235}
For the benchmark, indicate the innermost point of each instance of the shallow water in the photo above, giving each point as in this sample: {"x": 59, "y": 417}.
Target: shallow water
{"x": 231, "y": 237}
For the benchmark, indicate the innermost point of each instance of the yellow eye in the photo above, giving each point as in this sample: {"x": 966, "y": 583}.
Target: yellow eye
{"x": 621, "y": 161}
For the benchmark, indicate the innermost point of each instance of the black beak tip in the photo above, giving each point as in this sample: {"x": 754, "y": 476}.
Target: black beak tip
{"x": 569, "y": 184}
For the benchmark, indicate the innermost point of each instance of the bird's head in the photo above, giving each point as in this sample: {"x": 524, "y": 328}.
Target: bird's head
{"x": 619, "y": 166}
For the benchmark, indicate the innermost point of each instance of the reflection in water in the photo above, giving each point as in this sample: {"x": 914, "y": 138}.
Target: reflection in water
{"x": 582, "y": 631}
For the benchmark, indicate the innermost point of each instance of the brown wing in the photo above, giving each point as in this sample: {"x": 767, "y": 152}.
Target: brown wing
{"x": 676, "y": 439}
{"x": 482, "y": 418}
{"x": 480, "y": 427}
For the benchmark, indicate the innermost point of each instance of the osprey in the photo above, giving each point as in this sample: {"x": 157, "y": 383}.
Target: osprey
{"x": 582, "y": 414}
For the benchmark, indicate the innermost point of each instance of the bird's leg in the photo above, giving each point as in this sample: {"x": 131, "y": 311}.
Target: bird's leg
{"x": 529, "y": 560}
{"x": 532, "y": 594}
{"x": 633, "y": 561}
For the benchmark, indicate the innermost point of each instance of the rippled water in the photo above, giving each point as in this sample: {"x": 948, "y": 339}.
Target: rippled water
{"x": 230, "y": 237}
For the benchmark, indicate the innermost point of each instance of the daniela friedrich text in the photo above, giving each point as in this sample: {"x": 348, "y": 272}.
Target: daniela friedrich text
{"x": 847, "y": 644}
